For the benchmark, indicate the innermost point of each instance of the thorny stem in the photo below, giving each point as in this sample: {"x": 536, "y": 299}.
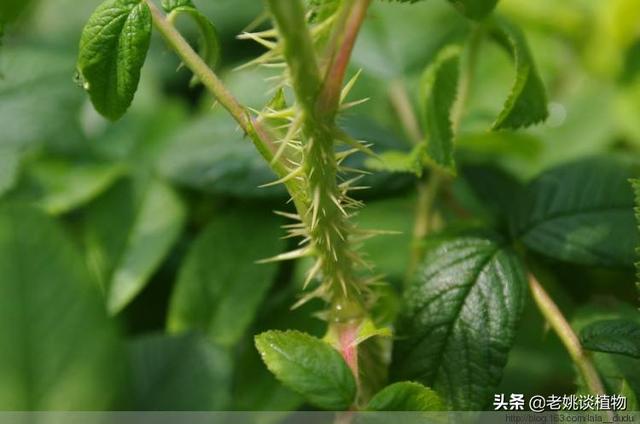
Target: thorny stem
{"x": 563, "y": 329}
{"x": 352, "y": 16}
{"x": 327, "y": 221}
{"x": 252, "y": 127}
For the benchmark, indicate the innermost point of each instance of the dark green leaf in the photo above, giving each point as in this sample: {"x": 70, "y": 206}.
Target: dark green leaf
{"x": 179, "y": 373}
{"x": 113, "y": 48}
{"x": 58, "y": 350}
{"x": 438, "y": 89}
{"x": 209, "y": 42}
{"x": 211, "y": 155}
{"x": 475, "y": 9}
{"x": 462, "y": 311}
{"x": 527, "y": 103}
{"x": 613, "y": 336}
{"x": 220, "y": 285}
{"x": 406, "y": 396}
{"x": 310, "y": 367}
{"x": 581, "y": 212}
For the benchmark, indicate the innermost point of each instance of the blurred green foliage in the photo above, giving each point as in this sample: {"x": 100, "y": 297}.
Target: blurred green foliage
{"x": 127, "y": 250}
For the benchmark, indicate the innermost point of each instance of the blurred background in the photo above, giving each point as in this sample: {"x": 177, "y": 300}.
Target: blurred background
{"x": 140, "y": 285}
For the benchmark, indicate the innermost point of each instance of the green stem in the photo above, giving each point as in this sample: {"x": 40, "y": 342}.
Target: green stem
{"x": 351, "y": 17}
{"x": 563, "y": 329}
{"x": 469, "y": 63}
{"x": 252, "y": 127}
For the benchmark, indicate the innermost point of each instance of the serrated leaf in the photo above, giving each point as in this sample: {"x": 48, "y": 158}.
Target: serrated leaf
{"x": 209, "y": 39}
{"x": 220, "y": 285}
{"x": 438, "y": 90}
{"x": 527, "y": 102}
{"x": 398, "y": 161}
{"x": 56, "y": 342}
{"x": 113, "y": 48}
{"x": 462, "y": 310}
{"x": 179, "y": 373}
{"x": 406, "y": 396}
{"x": 310, "y": 367}
{"x": 581, "y": 212}
{"x": 613, "y": 336}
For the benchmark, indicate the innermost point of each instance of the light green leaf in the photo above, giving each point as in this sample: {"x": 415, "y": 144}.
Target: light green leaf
{"x": 128, "y": 234}
{"x": 157, "y": 227}
{"x": 113, "y": 48}
{"x": 406, "y": 396}
{"x": 398, "y": 161}
{"x": 527, "y": 103}
{"x": 61, "y": 185}
{"x": 613, "y": 336}
{"x": 310, "y": 367}
{"x": 179, "y": 373}
{"x": 56, "y": 341}
{"x": 209, "y": 40}
{"x": 462, "y": 311}
{"x": 581, "y": 212}
{"x": 438, "y": 89}
{"x": 220, "y": 285}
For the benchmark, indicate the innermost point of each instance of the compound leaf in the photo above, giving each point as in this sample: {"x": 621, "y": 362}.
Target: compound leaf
{"x": 308, "y": 366}
{"x": 406, "y": 396}
{"x": 613, "y": 336}
{"x": 581, "y": 212}
{"x": 438, "y": 89}
{"x": 527, "y": 102}
{"x": 113, "y": 48}
{"x": 461, "y": 315}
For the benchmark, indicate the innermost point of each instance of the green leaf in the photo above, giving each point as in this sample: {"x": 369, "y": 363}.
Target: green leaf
{"x": 438, "y": 90}
{"x": 58, "y": 349}
{"x": 9, "y": 165}
{"x": 220, "y": 285}
{"x": 527, "y": 103}
{"x": 209, "y": 154}
{"x": 39, "y": 107}
{"x": 128, "y": 234}
{"x": 406, "y": 396}
{"x": 461, "y": 315}
{"x": 310, "y": 367}
{"x": 580, "y": 212}
{"x": 613, "y": 336}
{"x": 179, "y": 373}
{"x": 60, "y": 185}
{"x": 398, "y": 161}
{"x": 209, "y": 40}
{"x": 113, "y": 48}
{"x": 636, "y": 189}
{"x": 474, "y": 9}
